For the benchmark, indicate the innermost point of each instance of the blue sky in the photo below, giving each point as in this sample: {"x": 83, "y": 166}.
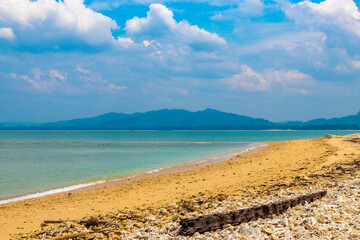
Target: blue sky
{"x": 279, "y": 60}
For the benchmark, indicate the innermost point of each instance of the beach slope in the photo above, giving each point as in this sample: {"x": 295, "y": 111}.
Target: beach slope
{"x": 276, "y": 165}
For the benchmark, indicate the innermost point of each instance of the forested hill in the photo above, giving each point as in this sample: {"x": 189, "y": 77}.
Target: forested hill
{"x": 178, "y": 119}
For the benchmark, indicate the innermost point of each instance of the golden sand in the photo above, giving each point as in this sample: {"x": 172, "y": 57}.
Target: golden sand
{"x": 277, "y": 163}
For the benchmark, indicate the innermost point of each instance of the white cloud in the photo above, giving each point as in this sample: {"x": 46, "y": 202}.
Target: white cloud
{"x": 146, "y": 43}
{"x": 54, "y": 21}
{"x": 311, "y": 42}
{"x": 355, "y": 63}
{"x": 326, "y": 15}
{"x": 54, "y": 81}
{"x": 83, "y": 70}
{"x": 43, "y": 81}
{"x": 125, "y": 42}
{"x": 94, "y": 82}
{"x": 160, "y": 25}
{"x": 100, "y": 5}
{"x": 56, "y": 74}
{"x": 7, "y": 33}
{"x": 338, "y": 21}
{"x": 249, "y": 80}
{"x": 251, "y": 7}
{"x": 113, "y": 87}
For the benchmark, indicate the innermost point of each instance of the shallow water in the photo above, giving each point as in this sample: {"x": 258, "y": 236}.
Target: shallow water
{"x": 33, "y": 161}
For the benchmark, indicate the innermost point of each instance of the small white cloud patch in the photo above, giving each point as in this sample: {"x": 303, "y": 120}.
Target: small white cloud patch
{"x": 7, "y": 33}
{"x": 125, "y": 42}
{"x": 249, "y": 80}
{"x": 55, "y": 81}
{"x": 355, "y": 63}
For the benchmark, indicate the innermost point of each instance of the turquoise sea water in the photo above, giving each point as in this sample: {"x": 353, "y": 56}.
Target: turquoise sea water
{"x": 32, "y": 161}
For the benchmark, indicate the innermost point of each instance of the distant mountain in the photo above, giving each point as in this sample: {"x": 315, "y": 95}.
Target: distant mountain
{"x": 348, "y": 122}
{"x": 165, "y": 119}
{"x": 178, "y": 119}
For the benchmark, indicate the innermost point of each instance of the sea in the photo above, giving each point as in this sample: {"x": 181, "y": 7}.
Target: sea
{"x": 38, "y": 163}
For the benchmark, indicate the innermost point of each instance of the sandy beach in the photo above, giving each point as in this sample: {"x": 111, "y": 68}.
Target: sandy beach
{"x": 258, "y": 172}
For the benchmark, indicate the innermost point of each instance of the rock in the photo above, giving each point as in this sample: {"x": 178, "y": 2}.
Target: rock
{"x": 92, "y": 221}
{"x": 285, "y": 221}
{"x": 311, "y": 221}
{"x": 288, "y": 236}
{"x": 111, "y": 235}
{"x": 164, "y": 212}
{"x": 267, "y": 230}
{"x": 251, "y": 232}
{"x": 151, "y": 217}
{"x": 98, "y": 236}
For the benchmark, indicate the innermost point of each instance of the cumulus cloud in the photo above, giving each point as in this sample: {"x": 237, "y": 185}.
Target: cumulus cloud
{"x": 250, "y": 80}
{"x": 343, "y": 14}
{"x": 100, "y": 5}
{"x": 54, "y": 23}
{"x": 7, "y": 33}
{"x": 338, "y": 21}
{"x": 160, "y": 25}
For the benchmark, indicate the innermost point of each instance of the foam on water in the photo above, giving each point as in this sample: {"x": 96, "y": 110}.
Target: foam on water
{"x": 155, "y": 170}
{"x": 50, "y": 192}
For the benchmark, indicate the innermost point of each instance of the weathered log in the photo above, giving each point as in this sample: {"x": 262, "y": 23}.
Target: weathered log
{"x": 205, "y": 223}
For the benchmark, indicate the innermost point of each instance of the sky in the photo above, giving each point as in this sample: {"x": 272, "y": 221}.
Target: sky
{"x": 275, "y": 59}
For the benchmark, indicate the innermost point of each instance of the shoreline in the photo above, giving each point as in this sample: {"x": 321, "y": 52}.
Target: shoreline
{"x": 133, "y": 177}
{"x": 168, "y": 197}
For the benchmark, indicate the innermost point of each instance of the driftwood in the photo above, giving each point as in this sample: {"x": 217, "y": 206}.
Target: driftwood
{"x": 210, "y": 222}
{"x": 75, "y": 235}
{"x": 88, "y": 222}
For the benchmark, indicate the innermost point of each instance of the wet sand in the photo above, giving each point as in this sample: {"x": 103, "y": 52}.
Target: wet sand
{"x": 277, "y": 163}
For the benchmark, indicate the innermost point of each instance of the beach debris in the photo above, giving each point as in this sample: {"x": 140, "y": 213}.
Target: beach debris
{"x": 204, "y": 223}
{"x": 75, "y": 235}
{"x": 334, "y": 215}
{"x": 92, "y": 221}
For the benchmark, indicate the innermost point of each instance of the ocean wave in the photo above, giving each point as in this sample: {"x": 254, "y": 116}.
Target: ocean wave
{"x": 49, "y": 192}
{"x": 155, "y": 170}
